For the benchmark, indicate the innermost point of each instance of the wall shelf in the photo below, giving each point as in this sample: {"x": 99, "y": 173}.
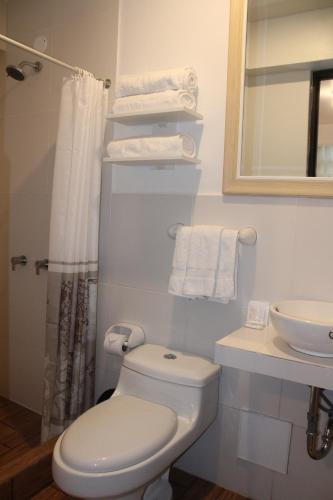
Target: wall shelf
{"x": 265, "y": 353}
{"x": 180, "y": 114}
{"x": 284, "y": 68}
{"x": 149, "y": 161}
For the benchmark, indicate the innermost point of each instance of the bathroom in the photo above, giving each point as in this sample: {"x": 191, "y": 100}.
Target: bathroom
{"x": 290, "y": 260}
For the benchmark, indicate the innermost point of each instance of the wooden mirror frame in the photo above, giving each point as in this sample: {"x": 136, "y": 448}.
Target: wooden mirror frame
{"x": 245, "y": 185}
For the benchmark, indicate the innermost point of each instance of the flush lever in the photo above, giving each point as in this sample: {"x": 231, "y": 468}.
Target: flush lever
{"x": 41, "y": 264}
{"x": 19, "y": 260}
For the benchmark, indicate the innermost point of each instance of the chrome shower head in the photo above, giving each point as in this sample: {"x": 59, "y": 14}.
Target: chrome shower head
{"x": 17, "y": 72}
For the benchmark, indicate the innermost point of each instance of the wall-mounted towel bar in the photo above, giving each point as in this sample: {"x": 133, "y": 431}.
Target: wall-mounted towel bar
{"x": 247, "y": 235}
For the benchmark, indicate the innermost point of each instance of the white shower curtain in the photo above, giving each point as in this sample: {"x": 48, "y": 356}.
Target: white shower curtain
{"x": 73, "y": 254}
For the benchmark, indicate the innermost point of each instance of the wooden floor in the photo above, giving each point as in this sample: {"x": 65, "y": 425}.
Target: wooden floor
{"x": 19, "y": 440}
{"x": 19, "y": 430}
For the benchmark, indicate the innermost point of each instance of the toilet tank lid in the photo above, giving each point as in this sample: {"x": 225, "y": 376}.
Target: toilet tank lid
{"x": 173, "y": 366}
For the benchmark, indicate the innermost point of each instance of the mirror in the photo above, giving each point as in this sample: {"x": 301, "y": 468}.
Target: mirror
{"x": 279, "y": 117}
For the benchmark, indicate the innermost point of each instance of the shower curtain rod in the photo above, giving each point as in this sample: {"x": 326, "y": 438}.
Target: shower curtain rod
{"x": 76, "y": 69}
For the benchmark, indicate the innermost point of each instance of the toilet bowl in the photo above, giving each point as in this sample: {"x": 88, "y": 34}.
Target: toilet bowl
{"x": 123, "y": 447}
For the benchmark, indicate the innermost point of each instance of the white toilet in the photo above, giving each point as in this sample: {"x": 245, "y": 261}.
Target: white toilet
{"x": 123, "y": 447}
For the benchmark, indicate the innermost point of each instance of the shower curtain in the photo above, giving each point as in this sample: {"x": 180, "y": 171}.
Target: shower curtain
{"x": 73, "y": 254}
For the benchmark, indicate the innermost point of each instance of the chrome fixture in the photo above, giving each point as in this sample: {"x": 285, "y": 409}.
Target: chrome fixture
{"x": 17, "y": 72}
{"x": 41, "y": 264}
{"x": 246, "y": 235}
{"x": 316, "y": 397}
{"x": 76, "y": 69}
{"x": 20, "y": 260}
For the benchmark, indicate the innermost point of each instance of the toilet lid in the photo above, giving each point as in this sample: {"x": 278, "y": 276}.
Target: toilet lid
{"x": 116, "y": 434}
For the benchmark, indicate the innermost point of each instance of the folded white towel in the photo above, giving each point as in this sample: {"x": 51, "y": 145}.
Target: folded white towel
{"x": 159, "y": 100}
{"x": 152, "y": 147}
{"x": 202, "y": 261}
{"x": 226, "y": 276}
{"x": 157, "y": 81}
{"x": 179, "y": 263}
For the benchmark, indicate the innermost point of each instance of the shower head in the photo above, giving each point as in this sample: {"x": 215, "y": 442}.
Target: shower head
{"x": 17, "y": 72}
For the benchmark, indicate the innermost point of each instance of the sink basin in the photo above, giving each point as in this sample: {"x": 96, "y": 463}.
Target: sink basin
{"x": 306, "y": 325}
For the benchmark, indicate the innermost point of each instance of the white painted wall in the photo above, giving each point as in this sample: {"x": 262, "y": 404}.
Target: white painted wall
{"x": 170, "y": 34}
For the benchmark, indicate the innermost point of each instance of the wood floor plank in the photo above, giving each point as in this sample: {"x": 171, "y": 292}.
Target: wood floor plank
{"x": 202, "y": 490}
{"x": 8, "y": 409}
{"x": 11, "y": 455}
{"x": 51, "y": 493}
{"x": 3, "y": 401}
{"x": 28, "y": 458}
{"x": 6, "y": 491}
{"x": 32, "y": 479}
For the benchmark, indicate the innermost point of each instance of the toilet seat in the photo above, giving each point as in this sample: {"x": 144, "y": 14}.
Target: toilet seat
{"x": 116, "y": 434}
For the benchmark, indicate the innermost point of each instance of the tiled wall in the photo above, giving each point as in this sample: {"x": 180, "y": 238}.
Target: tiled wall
{"x": 4, "y": 203}
{"x": 82, "y": 33}
{"x": 292, "y": 257}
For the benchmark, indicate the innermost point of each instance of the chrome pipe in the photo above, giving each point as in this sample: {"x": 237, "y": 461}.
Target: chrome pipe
{"x": 312, "y": 429}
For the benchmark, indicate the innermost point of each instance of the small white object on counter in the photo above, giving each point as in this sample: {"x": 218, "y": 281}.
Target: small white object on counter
{"x": 257, "y": 314}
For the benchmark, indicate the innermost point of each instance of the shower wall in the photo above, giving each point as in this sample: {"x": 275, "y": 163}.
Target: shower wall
{"x": 31, "y": 117}
{"x": 4, "y": 202}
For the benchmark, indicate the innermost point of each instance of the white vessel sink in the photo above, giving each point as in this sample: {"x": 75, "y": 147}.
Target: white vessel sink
{"x": 306, "y": 325}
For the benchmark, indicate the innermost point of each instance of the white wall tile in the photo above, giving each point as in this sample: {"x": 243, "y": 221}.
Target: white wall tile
{"x": 208, "y": 322}
{"x": 27, "y": 310}
{"x": 265, "y": 271}
{"x": 307, "y": 479}
{"x": 33, "y": 94}
{"x": 27, "y": 150}
{"x": 160, "y": 315}
{"x": 213, "y": 457}
{"x": 135, "y": 248}
{"x": 294, "y": 403}
{"x": 29, "y": 225}
{"x": 312, "y": 272}
{"x": 259, "y": 435}
{"x": 26, "y": 376}
{"x": 249, "y": 391}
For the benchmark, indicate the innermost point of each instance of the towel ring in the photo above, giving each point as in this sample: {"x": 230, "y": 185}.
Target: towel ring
{"x": 246, "y": 236}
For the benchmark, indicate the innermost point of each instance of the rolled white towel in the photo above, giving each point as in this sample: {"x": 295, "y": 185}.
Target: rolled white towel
{"x": 153, "y": 147}
{"x": 157, "y": 81}
{"x": 159, "y": 100}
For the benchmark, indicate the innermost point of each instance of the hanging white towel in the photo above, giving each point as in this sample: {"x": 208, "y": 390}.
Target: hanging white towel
{"x": 226, "y": 276}
{"x": 152, "y": 147}
{"x": 166, "y": 100}
{"x": 157, "y": 81}
{"x": 179, "y": 263}
{"x": 202, "y": 261}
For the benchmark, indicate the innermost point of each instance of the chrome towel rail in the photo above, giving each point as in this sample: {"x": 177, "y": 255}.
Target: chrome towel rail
{"x": 247, "y": 235}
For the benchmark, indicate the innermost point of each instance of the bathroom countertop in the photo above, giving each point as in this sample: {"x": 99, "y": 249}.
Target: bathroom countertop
{"x": 265, "y": 353}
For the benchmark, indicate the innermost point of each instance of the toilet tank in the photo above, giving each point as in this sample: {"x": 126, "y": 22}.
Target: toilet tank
{"x": 186, "y": 383}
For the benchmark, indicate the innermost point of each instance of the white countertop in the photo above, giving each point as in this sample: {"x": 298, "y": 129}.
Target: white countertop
{"x": 264, "y": 352}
